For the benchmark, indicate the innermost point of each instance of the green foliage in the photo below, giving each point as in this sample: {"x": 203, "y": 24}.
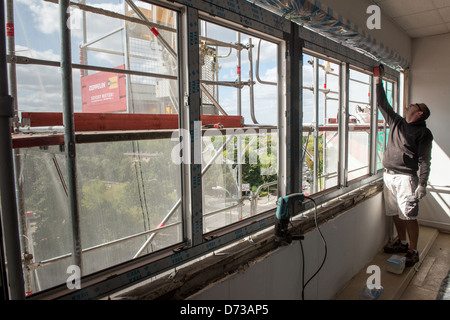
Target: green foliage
{"x": 264, "y": 170}
{"x": 310, "y": 162}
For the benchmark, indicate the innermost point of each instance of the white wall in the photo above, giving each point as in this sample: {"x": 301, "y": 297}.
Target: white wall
{"x": 430, "y": 84}
{"x": 389, "y": 34}
{"x": 353, "y": 239}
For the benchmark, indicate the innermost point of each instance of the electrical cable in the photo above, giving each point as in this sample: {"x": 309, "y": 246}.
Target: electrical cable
{"x": 303, "y": 257}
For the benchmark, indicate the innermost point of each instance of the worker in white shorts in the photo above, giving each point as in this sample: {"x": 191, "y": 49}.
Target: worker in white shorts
{"x": 407, "y": 161}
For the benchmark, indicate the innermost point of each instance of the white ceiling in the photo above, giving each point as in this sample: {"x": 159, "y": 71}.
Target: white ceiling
{"x": 419, "y": 18}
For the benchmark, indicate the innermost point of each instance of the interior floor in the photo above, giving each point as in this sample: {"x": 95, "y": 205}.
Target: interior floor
{"x": 433, "y": 269}
{"x": 421, "y": 282}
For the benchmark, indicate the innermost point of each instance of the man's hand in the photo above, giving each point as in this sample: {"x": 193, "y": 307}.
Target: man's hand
{"x": 378, "y": 73}
{"x": 421, "y": 191}
{"x": 381, "y": 69}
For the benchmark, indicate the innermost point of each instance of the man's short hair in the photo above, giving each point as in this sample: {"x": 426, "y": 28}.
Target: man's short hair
{"x": 425, "y": 111}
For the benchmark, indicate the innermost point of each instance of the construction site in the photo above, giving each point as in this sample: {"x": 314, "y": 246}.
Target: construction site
{"x": 216, "y": 150}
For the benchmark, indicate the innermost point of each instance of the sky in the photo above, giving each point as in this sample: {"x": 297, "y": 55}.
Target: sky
{"x": 39, "y": 87}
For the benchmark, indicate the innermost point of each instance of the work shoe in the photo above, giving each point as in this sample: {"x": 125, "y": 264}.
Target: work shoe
{"x": 396, "y": 247}
{"x": 411, "y": 258}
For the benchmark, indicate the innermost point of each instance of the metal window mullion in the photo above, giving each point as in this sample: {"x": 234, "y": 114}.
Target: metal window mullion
{"x": 324, "y": 134}
{"x": 190, "y": 112}
{"x": 290, "y": 111}
{"x": 395, "y": 92}
{"x": 343, "y": 125}
{"x": 240, "y": 152}
{"x": 316, "y": 126}
{"x": 12, "y": 83}
{"x": 373, "y": 130}
{"x": 282, "y": 119}
{"x": 129, "y": 93}
{"x": 12, "y": 282}
{"x": 69, "y": 129}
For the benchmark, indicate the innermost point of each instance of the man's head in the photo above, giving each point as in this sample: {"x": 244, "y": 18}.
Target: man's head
{"x": 417, "y": 112}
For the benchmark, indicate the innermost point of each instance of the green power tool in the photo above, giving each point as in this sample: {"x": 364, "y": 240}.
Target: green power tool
{"x": 283, "y": 216}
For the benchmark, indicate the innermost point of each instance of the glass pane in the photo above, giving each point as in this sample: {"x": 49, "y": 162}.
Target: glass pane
{"x": 129, "y": 192}
{"x": 36, "y": 32}
{"x": 239, "y": 166}
{"x": 39, "y": 88}
{"x": 224, "y": 201}
{"x": 129, "y": 45}
{"x": 46, "y": 232}
{"x": 128, "y": 195}
{"x": 322, "y": 118}
{"x": 126, "y": 188}
{"x": 382, "y": 133}
{"x": 328, "y": 129}
{"x": 238, "y": 71}
{"x": 359, "y": 124}
{"x": 100, "y": 39}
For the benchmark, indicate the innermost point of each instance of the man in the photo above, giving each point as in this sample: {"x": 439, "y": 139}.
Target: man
{"x": 406, "y": 161}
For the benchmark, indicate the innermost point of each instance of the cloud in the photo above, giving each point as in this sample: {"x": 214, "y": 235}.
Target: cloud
{"x": 267, "y": 51}
{"x": 45, "y": 15}
{"x": 44, "y": 55}
{"x": 39, "y": 87}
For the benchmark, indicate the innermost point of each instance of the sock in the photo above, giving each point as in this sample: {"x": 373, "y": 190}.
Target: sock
{"x": 404, "y": 242}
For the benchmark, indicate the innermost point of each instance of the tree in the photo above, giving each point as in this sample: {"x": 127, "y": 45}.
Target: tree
{"x": 310, "y": 162}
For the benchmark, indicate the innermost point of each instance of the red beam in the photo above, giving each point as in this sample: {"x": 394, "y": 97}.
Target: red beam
{"x": 226, "y": 121}
{"x": 106, "y": 122}
{"x": 29, "y": 141}
{"x": 123, "y": 121}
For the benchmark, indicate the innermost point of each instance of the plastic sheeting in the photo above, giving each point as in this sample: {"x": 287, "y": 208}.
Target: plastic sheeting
{"x": 321, "y": 19}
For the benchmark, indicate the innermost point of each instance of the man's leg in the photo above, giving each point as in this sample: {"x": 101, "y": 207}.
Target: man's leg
{"x": 412, "y": 255}
{"x": 391, "y": 210}
{"x": 400, "y": 226}
{"x": 412, "y": 227}
{"x": 407, "y": 226}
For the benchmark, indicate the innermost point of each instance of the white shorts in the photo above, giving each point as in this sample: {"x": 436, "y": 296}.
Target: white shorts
{"x": 399, "y": 195}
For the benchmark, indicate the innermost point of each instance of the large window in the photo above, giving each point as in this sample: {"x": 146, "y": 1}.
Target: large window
{"x": 360, "y": 90}
{"x": 239, "y": 78}
{"x": 143, "y": 47}
{"x": 149, "y": 50}
{"x": 322, "y": 143}
{"x": 129, "y": 192}
{"x": 320, "y": 125}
